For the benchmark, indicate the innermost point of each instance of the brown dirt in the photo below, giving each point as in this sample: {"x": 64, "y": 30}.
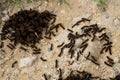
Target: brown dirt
{"x": 68, "y": 16}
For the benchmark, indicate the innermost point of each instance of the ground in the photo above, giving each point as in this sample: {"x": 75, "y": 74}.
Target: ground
{"x": 67, "y": 15}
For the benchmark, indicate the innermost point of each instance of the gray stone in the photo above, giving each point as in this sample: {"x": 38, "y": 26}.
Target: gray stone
{"x": 117, "y": 21}
{"x": 107, "y": 16}
{"x": 49, "y": 49}
{"x": 27, "y": 61}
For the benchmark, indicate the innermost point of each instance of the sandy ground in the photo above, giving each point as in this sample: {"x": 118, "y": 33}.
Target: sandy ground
{"x": 110, "y": 19}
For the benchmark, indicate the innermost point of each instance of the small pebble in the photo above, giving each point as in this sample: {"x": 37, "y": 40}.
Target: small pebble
{"x": 117, "y": 21}
{"x": 62, "y": 11}
{"x": 28, "y": 61}
{"x": 5, "y": 12}
{"x": 116, "y": 60}
{"x": 49, "y": 49}
{"x": 107, "y": 16}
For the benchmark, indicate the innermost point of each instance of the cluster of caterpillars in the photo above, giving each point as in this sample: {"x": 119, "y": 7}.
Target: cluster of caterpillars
{"x": 28, "y": 27}
{"x": 90, "y": 32}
